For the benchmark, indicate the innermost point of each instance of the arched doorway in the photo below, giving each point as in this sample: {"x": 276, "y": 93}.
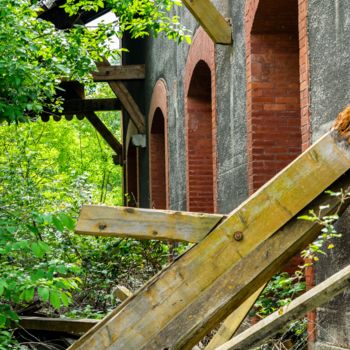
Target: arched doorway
{"x": 200, "y": 141}
{"x": 274, "y": 111}
{"x": 200, "y": 124}
{"x": 157, "y": 161}
{"x": 158, "y": 147}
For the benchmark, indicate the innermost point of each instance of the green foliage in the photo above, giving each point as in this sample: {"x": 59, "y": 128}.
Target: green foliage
{"x": 35, "y": 56}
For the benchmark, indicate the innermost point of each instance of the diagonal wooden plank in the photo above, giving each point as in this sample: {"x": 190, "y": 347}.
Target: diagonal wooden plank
{"x": 233, "y": 322}
{"x": 145, "y": 223}
{"x": 187, "y": 299}
{"x": 279, "y": 320}
{"x": 211, "y": 20}
{"x": 104, "y": 132}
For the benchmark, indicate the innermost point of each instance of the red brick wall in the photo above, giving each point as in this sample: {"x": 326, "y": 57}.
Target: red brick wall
{"x": 275, "y": 115}
{"x": 158, "y": 147}
{"x": 200, "y": 124}
{"x": 273, "y": 96}
{"x": 157, "y": 160}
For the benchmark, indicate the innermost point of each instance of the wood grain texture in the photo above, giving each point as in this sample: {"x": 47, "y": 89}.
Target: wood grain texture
{"x": 233, "y": 322}
{"x": 119, "y": 72}
{"x": 211, "y": 20}
{"x": 190, "y": 297}
{"x": 70, "y": 326}
{"x": 145, "y": 223}
{"x": 279, "y": 320}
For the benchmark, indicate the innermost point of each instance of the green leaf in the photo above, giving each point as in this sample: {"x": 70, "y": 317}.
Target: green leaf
{"x": 55, "y": 299}
{"x": 44, "y": 293}
{"x": 29, "y": 294}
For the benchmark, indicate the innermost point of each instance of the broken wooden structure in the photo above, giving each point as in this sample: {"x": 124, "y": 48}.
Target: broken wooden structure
{"x": 236, "y": 255}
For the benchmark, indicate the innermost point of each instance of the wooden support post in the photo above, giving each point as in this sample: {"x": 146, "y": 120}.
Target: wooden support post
{"x": 145, "y": 223}
{"x": 65, "y": 325}
{"x": 186, "y": 300}
{"x": 279, "y": 320}
{"x": 120, "y": 72}
{"x": 81, "y": 106}
{"x": 233, "y": 322}
{"x": 211, "y": 20}
{"x": 104, "y": 132}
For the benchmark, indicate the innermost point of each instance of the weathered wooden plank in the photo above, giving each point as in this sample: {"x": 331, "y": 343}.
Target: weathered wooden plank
{"x": 122, "y": 293}
{"x": 187, "y": 299}
{"x": 81, "y": 106}
{"x": 233, "y": 322}
{"x": 120, "y": 72}
{"x": 145, "y": 223}
{"x": 65, "y": 325}
{"x": 279, "y": 320}
{"x": 104, "y": 132}
{"x": 211, "y": 20}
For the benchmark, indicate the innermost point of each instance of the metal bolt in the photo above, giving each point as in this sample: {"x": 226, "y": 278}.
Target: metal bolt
{"x": 238, "y": 236}
{"x": 102, "y": 226}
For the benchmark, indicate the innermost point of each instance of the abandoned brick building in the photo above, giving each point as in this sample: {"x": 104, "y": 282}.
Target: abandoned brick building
{"x": 221, "y": 120}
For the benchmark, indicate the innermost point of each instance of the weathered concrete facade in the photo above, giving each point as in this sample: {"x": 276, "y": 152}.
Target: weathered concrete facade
{"x": 289, "y": 59}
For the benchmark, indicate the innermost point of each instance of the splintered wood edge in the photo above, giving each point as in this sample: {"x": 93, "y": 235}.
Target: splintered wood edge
{"x": 342, "y": 123}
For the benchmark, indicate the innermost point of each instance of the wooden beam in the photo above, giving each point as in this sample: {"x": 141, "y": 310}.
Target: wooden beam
{"x": 104, "y": 132}
{"x": 186, "y": 300}
{"x": 120, "y": 72}
{"x": 233, "y": 322}
{"x": 145, "y": 223}
{"x": 81, "y": 106}
{"x": 65, "y": 325}
{"x": 279, "y": 320}
{"x": 211, "y": 20}
{"x": 126, "y": 100}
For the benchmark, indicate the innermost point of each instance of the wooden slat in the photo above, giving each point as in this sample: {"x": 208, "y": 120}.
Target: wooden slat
{"x": 211, "y": 20}
{"x": 104, "y": 132}
{"x": 81, "y": 106}
{"x": 187, "y": 299}
{"x": 120, "y": 72}
{"x": 145, "y": 223}
{"x": 279, "y": 320}
{"x": 233, "y": 322}
{"x": 75, "y": 327}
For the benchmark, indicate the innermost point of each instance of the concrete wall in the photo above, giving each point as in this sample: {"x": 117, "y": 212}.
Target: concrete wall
{"x": 167, "y": 60}
{"x": 329, "y": 62}
{"x": 329, "y": 38}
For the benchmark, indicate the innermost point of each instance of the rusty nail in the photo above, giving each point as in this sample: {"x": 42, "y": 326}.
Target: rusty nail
{"x": 238, "y": 236}
{"x": 102, "y": 226}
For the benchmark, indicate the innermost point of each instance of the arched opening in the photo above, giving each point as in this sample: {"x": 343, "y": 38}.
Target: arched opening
{"x": 200, "y": 151}
{"x": 274, "y": 122}
{"x": 132, "y": 193}
{"x": 157, "y": 161}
